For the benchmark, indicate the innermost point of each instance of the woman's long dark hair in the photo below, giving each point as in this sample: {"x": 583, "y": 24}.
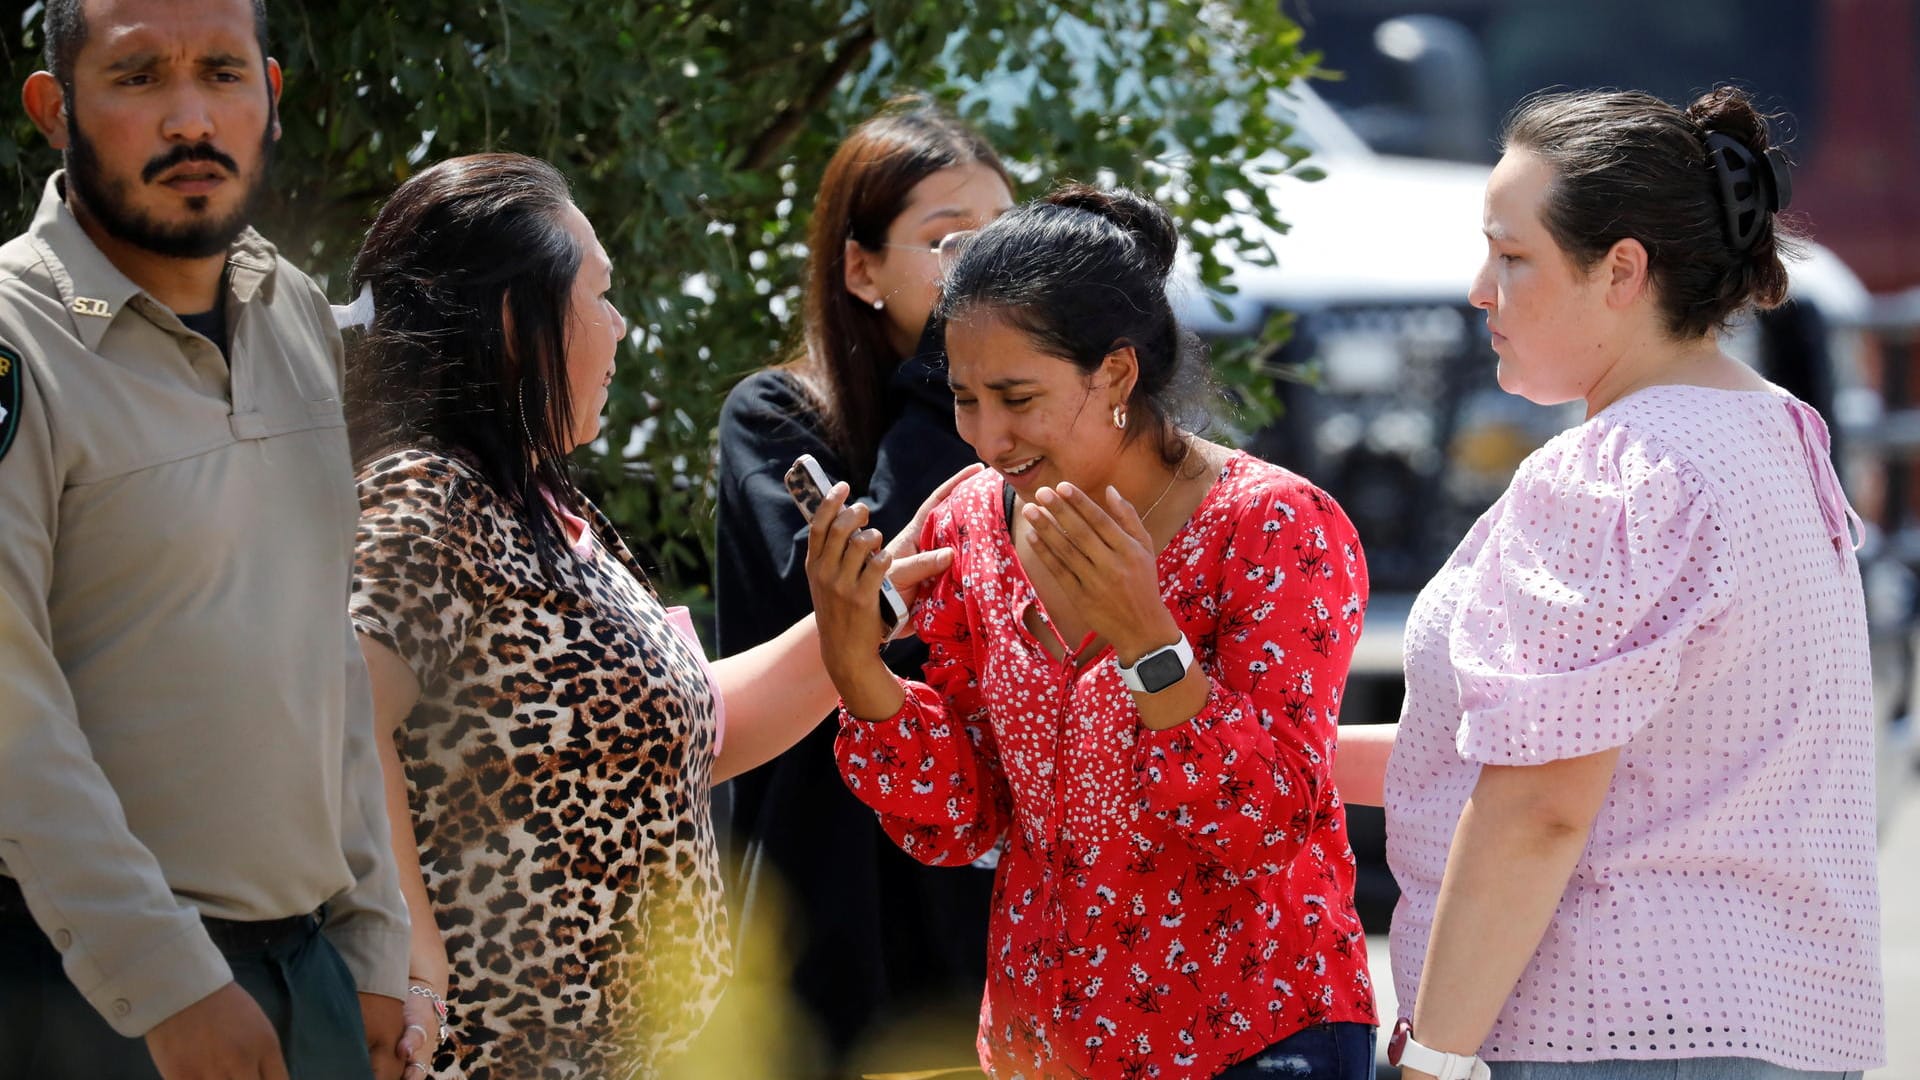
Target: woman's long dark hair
{"x": 847, "y": 357}
{"x": 472, "y": 275}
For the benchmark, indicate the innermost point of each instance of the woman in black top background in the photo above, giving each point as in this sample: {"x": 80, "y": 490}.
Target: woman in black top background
{"x": 888, "y": 956}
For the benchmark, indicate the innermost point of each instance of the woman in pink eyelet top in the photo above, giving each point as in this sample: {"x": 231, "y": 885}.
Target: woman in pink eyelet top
{"x": 1630, "y": 803}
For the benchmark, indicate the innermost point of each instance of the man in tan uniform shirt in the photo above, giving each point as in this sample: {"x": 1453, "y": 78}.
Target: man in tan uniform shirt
{"x": 192, "y": 833}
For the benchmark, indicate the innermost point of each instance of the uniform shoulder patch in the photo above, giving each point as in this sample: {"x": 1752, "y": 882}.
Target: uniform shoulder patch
{"x": 10, "y": 380}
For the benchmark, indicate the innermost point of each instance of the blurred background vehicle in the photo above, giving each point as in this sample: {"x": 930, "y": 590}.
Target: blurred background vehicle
{"x": 1399, "y": 415}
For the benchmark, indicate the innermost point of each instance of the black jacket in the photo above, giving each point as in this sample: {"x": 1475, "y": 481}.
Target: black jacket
{"x": 876, "y": 937}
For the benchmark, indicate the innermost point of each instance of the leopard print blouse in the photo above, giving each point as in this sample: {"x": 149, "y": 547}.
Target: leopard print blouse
{"x": 558, "y": 767}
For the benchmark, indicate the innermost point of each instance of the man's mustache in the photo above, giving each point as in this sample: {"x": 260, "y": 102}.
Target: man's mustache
{"x": 180, "y": 155}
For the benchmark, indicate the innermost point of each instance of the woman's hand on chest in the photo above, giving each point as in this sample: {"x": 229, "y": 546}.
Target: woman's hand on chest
{"x": 1098, "y": 571}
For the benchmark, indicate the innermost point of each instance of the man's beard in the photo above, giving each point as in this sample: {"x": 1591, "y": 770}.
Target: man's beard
{"x": 106, "y": 200}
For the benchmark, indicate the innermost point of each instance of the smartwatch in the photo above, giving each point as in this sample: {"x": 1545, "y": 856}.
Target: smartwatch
{"x": 1158, "y": 669}
{"x": 1402, "y": 1050}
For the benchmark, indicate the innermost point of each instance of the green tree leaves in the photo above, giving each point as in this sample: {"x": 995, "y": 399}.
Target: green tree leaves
{"x": 695, "y": 131}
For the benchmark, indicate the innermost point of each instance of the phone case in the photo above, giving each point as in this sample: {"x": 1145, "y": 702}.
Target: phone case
{"x": 807, "y": 482}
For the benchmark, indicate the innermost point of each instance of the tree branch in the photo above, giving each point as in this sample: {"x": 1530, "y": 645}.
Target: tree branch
{"x": 769, "y": 142}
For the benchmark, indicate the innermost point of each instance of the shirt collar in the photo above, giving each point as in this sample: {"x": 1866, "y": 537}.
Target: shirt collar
{"x": 94, "y": 291}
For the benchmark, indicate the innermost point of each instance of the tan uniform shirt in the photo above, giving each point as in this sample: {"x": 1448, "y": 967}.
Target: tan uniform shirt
{"x": 184, "y": 720}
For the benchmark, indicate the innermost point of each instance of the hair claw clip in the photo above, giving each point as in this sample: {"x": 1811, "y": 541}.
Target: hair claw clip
{"x": 1747, "y": 194}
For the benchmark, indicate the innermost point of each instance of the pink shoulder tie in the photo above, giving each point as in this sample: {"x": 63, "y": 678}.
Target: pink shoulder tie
{"x": 1843, "y": 525}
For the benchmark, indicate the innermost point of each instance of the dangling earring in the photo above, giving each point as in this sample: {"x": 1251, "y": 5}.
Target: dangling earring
{"x": 526, "y": 428}
{"x": 880, "y": 304}
{"x": 1120, "y": 417}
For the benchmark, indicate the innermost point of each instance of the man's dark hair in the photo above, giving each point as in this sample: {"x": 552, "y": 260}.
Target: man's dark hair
{"x": 65, "y": 29}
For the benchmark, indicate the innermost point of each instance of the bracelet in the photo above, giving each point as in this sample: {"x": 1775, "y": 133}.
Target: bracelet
{"x": 439, "y": 1006}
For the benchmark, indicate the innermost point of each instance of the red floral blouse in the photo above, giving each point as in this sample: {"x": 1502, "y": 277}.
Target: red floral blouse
{"x": 1168, "y": 902}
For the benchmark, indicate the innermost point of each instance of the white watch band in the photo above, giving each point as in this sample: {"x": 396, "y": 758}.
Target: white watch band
{"x": 1180, "y": 649}
{"x": 1443, "y": 1066}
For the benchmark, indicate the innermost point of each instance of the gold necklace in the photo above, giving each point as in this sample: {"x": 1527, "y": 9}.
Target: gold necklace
{"x": 1172, "y": 480}
{"x": 1163, "y": 494}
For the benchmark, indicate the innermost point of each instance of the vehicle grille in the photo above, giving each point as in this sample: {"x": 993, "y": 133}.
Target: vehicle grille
{"x": 1405, "y": 424}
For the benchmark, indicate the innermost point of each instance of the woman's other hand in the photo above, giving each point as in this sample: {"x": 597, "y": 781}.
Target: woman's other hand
{"x": 421, "y": 1036}
{"x": 1103, "y": 559}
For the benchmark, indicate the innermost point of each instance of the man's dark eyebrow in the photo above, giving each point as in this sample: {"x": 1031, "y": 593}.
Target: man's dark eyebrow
{"x": 139, "y": 61}
{"x": 145, "y": 60}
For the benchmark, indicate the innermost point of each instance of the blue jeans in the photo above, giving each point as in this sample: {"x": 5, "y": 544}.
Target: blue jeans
{"x": 1342, "y": 1051}
{"x": 1718, "y": 1068}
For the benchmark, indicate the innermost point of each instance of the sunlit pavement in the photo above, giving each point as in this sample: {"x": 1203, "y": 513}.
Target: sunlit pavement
{"x": 1900, "y": 938}
{"x": 1900, "y": 947}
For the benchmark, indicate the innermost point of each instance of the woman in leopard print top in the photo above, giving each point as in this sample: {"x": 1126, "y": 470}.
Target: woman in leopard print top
{"x": 555, "y": 735}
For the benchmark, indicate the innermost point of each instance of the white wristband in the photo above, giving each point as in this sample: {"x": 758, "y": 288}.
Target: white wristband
{"x": 1406, "y": 1053}
{"x": 1158, "y": 669}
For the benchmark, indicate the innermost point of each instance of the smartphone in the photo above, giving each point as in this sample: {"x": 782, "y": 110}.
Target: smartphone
{"x": 807, "y": 482}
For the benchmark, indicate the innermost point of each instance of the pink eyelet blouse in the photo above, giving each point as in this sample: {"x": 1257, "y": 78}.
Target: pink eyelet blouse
{"x": 1674, "y": 577}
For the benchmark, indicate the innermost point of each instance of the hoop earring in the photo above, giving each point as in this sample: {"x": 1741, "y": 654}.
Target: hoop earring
{"x": 1120, "y": 417}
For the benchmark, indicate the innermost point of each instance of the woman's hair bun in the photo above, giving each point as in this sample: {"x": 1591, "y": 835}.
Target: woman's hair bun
{"x": 1729, "y": 110}
{"x": 1082, "y": 273}
{"x": 1145, "y": 220}
{"x": 1759, "y": 277}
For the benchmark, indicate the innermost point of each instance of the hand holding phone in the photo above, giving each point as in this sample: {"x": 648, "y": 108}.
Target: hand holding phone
{"x": 808, "y": 483}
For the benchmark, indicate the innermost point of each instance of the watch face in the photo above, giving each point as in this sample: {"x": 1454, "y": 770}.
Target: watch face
{"x": 1161, "y": 670}
{"x": 1397, "y": 1045}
